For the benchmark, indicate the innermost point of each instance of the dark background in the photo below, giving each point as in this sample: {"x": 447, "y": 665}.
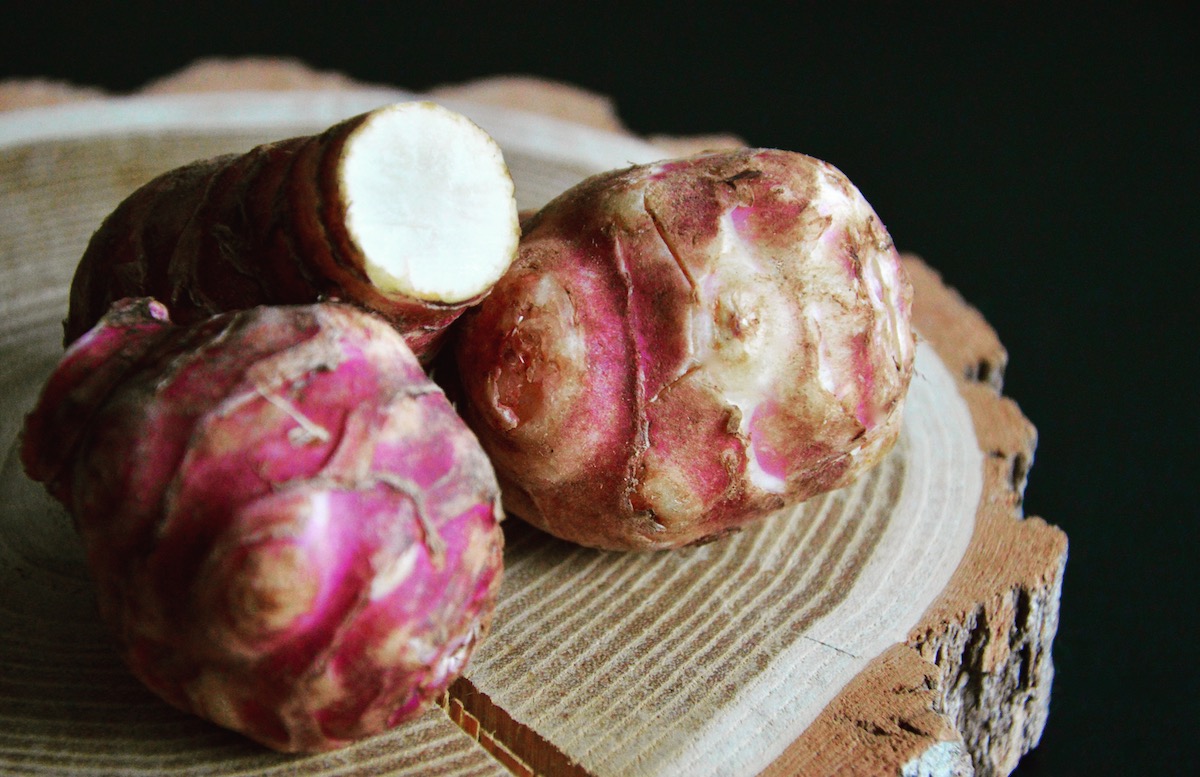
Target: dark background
{"x": 1044, "y": 161}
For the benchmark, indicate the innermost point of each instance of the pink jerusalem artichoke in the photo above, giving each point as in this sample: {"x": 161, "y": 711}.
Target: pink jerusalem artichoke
{"x": 290, "y": 530}
{"x": 682, "y": 347}
{"x": 408, "y": 210}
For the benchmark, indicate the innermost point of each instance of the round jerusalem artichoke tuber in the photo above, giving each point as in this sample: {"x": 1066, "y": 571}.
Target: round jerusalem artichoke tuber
{"x": 408, "y": 210}
{"x": 682, "y": 347}
{"x": 291, "y": 532}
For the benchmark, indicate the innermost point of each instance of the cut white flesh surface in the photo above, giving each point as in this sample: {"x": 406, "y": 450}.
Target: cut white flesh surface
{"x": 429, "y": 202}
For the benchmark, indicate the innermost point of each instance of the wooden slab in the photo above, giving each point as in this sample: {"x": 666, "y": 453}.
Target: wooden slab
{"x": 901, "y": 626}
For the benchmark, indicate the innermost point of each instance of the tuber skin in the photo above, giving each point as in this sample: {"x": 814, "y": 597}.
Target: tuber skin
{"x": 291, "y": 532}
{"x": 686, "y": 346}
{"x": 408, "y": 211}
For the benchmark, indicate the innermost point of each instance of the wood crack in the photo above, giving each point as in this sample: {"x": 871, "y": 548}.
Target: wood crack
{"x": 519, "y": 748}
{"x": 834, "y": 648}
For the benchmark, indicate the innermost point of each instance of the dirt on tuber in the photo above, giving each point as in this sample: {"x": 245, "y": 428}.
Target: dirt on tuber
{"x": 290, "y": 530}
{"x": 686, "y": 346}
{"x": 407, "y": 210}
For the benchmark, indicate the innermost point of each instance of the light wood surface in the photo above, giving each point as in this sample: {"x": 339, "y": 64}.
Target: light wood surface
{"x": 900, "y": 626}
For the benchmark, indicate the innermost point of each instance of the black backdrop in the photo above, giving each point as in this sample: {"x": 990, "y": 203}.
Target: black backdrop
{"x": 1044, "y": 162}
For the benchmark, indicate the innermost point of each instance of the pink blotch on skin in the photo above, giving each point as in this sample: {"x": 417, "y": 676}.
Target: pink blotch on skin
{"x": 666, "y": 168}
{"x": 834, "y": 239}
{"x": 852, "y": 266}
{"x": 404, "y": 713}
{"x": 425, "y": 465}
{"x": 769, "y": 221}
{"x": 332, "y": 559}
{"x": 740, "y": 216}
{"x": 864, "y": 374}
{"x": 770, "y": 459}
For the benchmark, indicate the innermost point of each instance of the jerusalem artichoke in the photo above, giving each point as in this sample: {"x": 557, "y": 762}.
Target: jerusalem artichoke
{"x": 682, "y": 347}
{"x": 408, "y": 210}
{"x": 290, "y": 530}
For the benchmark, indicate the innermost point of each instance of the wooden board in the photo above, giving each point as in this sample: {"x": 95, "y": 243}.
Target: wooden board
{"x": 900, "y": 626}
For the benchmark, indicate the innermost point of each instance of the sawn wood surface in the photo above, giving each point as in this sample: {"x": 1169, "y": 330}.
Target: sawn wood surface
{"x": 964, "y": 690}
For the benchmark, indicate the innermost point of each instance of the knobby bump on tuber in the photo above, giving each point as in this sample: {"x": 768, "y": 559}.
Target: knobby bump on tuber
{"x": 290, "y": 530}
{"x": 685, "y": 346}
{"x": 408, "y": 210}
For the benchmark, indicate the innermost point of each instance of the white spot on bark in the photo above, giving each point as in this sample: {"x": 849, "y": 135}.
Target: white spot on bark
{"x": 945, "y": 759}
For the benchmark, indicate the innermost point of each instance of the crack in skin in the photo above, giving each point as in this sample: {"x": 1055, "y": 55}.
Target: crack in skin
{"x": 367, "y": 478}
{"x": 433, "y": 542}
{"x": 742, "y": 176}
{"x": 690, "y": 370}
{"x": 640, "y": 443}
{"x": 307, "y": 431}
{"x": 692, "y": 284}
{"x": 693, "y": 366}
{"x": 658, "y": 228}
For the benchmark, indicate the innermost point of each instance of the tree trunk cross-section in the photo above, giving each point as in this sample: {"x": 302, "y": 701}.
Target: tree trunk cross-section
{"x": 968, "y": 690}
{"x": 901, "y": 626}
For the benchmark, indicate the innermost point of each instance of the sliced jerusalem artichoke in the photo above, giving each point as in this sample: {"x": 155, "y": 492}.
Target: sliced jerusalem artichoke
{"x": 683, "y": 347}
{"x": 291, "y": 532}
{"x": 408, "y": 210}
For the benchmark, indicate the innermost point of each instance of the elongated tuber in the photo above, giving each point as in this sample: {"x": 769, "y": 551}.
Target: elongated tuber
{"x": 290, "y": 530}
{"x": 407, "y": 210}
{"x": 682, "y": 347}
